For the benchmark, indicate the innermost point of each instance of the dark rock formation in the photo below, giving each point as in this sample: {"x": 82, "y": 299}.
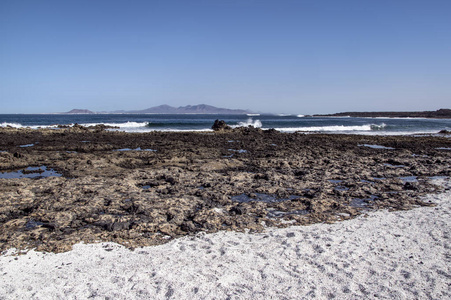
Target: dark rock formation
{"x": 220, "y": 125}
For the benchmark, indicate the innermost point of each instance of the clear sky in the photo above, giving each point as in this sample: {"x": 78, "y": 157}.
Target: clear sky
{"x": 284, "y": 56}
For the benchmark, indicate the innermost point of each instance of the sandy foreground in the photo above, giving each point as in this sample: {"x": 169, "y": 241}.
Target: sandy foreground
{"x": 388, "y": 255}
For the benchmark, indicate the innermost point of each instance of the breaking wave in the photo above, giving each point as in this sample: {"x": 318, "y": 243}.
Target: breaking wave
{"x": 120, "y": 125}
{"x": 249, "y": 122}
{"x": 18, "y": 125}
{"x": 334, "y": 128}
{"x": 14, "y": 125}
{"x": 378, "y": 127}
{"x": 182, "y": 123}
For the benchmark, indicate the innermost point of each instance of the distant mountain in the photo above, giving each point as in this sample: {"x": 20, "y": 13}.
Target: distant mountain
{"x": 438, "y": 114}
{"x": 166, "y": 109}
{"x": 189, "y": 109}
{"x": 80, "y": 111}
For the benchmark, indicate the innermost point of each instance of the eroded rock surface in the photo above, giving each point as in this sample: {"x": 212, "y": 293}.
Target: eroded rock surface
{"x": 141, "y": 189}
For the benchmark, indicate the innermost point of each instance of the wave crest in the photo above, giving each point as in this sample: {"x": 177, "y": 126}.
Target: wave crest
{"x": 14, "y": 125}
{"x": 378, "y": 127}
{"x": 121, "y": 125}
{"x": 249, "y": 122}
{"x": 335, "y": 128}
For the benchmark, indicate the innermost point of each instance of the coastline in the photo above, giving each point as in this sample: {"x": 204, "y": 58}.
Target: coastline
{"x": 438, "y": 114}
{"x": 184, "y": 123}
{"x": 97, "y": 213}
{"x": 78, "y": 184}
{"x": 381, "y": 254}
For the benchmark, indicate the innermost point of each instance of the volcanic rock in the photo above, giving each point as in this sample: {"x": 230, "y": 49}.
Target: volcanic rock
{"x": 220, "y": 125}
{"x": 190, "y": 183}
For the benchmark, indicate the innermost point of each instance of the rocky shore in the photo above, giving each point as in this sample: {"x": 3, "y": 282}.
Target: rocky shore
{"x": 438, "y": 114}
{"x": 61, "y": 187}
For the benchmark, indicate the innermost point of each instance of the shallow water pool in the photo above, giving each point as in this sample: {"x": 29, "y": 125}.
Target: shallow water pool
{"x": 30, "y": 172}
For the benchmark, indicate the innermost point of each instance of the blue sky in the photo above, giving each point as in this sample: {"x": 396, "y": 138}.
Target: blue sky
{"x": 285, "y": 56}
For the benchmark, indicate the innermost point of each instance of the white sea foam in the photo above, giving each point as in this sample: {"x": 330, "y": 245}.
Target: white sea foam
{"x": 249, "y": 122}
{"x": 125, "y": 126}
{"x": 375, "y": 127}
{"x": 378, "y": 126}
{"x": 337, "y": 128}
{"x": 120, "y": 125}
{"x": 18, "y": 125}
{"x": 15, "y": 125}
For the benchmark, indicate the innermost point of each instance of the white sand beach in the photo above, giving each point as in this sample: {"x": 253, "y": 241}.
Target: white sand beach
{"x": 384, "y": 255}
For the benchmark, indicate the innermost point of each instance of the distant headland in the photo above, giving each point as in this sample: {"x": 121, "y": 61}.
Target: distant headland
{"x": 166, "y": 109}
{"x": 438, "y": 114}
{"x": 80, "y": 111}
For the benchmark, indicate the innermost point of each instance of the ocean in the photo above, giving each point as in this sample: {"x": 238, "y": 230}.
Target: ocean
{"x": 195, "y": 122}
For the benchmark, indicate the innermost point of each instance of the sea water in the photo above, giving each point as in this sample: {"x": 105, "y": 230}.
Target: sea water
{"x": 202, "y": 122}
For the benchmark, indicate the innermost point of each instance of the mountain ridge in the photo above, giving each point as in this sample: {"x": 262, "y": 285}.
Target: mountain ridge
{"x": 80, "y": 111}
{"x": 167, "y": 109}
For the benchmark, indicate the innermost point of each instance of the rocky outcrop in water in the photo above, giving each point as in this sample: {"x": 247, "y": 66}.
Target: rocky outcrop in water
{"x": 220, "y": 125}
{"x": 142, "y": 189}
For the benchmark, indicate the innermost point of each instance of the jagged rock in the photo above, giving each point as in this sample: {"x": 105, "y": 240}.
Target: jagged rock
{"x": 220, "y": 125}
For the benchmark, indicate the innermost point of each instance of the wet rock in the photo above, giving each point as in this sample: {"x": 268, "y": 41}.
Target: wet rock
{"x": 237, "y": 210}
{"x": 412, "y": 186}
{"x": 78, "y": 127}
{"x": 220, "y": 125}
{"x": 188, "y": 226}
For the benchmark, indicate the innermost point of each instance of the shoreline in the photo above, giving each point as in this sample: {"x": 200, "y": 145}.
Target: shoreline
{"x": 183, "y": 123}
{"x": 403, "y": 254}
{"x": 147, "y": 189}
